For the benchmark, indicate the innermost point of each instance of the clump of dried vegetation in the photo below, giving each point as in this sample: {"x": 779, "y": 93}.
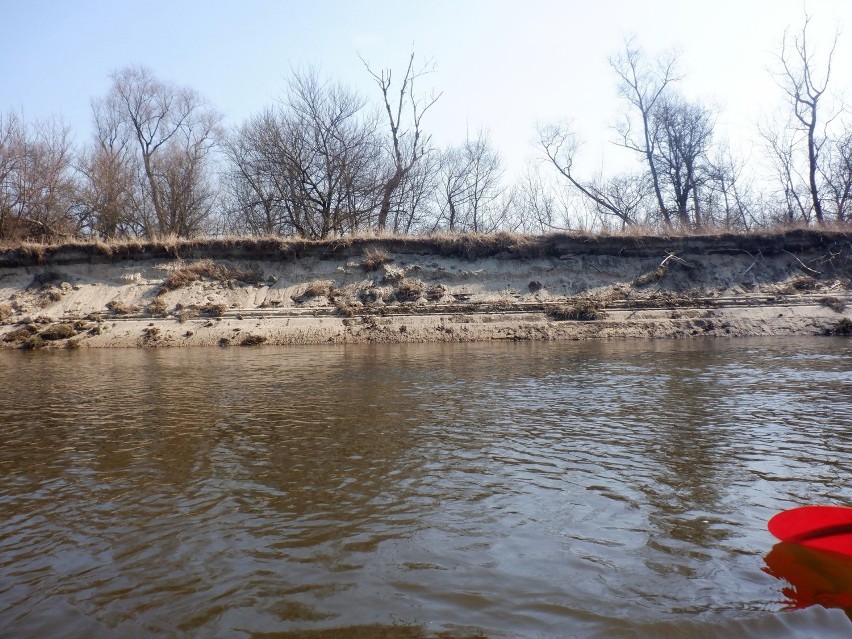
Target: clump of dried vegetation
{"x": 649, "y": 278}
{"x": 213, "y": 309}
{"x": 34, "y": 343}
{"x": 20, "y": 334}
{"x": 580, "y": 311}
{"x": 207, "y": 270}
{"x": 6, "y": 311}
{"x": 158, "y": 306}
{"x": 319, "y": 288}
{"x": 799, "y": 285}
{"x": 408, "y": 291}
{"x": 344, "y": 308}
{"x": 252, "y": 340}
{"x": 184, "y": 313}
{"x": 834, "y": 303}
{"x": 120, "y": 307}
{"x": 58, "y": 332}
{"x": 842, "y": 328}
{"x": 375, "y": 258}
{"x": 436, "y": 292}
{"x": 371, "y": 295}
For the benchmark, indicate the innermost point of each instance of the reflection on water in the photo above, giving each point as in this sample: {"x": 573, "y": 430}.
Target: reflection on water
{"x": 813, "y": 577}
{"x": 506, "y": 490}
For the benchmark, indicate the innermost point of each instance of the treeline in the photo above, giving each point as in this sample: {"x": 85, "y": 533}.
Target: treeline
{"x": 325, "y": 161}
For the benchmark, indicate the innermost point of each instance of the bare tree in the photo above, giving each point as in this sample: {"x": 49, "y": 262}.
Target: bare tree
{"x": 171, "y": 127}
{"x": 254, "y": 204}
{"x": 643, "y": 84}
{"x": 837, "y": 174}
{"x": 805, "y": 86}
{"x": 470, "y": 180}
{"x": 560, "y": 145}
{"x": 682, "y": 133}
{"x": 413, "y": 205}
{"x": 312, "y": 166}
{"x": 407, "y": 142}
{"x": 11, "y": 149}
{"x": 729, "y": 192}
{"x": 109, "y": 200}
{"x": 781, "y": 141}
{"x": 37, "y": 188}
{"x": 632, "y": 194}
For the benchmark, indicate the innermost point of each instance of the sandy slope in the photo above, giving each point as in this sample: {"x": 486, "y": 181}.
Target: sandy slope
{"x": 615, "y": 289}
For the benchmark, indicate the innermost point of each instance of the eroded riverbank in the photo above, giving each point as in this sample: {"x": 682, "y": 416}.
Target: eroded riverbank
{"x": 463, "y": 288}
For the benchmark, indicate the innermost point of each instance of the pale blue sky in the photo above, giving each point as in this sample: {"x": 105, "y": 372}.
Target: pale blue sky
{"x": 501, "y": 64}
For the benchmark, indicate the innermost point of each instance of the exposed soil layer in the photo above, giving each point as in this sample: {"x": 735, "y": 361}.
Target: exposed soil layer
{"x": 444, "y": 288}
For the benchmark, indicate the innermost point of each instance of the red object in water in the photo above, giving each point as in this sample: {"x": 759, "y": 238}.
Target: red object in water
{"x": 823, "y": 527}
{"x": 812, "y": 576}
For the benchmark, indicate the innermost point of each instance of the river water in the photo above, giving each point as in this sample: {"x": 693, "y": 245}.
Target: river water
{"x": 616, "y": 489}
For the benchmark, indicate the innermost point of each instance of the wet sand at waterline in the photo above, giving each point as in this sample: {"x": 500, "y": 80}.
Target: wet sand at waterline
{"x": 248, "y": 292}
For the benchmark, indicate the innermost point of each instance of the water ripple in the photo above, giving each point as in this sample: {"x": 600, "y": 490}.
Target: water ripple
{"x": 611, "y": 489}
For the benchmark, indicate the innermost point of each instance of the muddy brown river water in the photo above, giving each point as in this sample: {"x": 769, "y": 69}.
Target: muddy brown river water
{"x": 616, "y": 489}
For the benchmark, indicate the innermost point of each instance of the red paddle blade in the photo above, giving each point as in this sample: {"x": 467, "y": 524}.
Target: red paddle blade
{"x": 823, "y": 527}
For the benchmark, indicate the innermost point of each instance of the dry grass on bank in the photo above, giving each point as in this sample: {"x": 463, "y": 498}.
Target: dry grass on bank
{"x": 375, "y": 250}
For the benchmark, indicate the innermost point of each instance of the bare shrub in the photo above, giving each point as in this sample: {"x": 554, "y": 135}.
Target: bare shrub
{"x": 252, "y": 340}
{"x": 371, "y": 295}
{"x": 6, "y": 311}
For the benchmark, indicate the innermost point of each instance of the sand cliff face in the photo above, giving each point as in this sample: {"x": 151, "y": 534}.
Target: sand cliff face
{"x": 248, "y": 292}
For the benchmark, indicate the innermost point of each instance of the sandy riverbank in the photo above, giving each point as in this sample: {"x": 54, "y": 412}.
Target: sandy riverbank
{"x": 466, "y": 288}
